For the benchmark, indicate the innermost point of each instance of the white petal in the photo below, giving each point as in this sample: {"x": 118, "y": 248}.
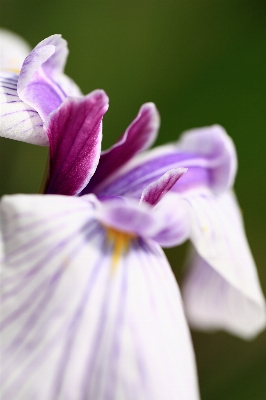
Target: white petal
{"x": 218, "y": 235}
{"x": 212, "y": 303}
{"x": 76, "y": 326}
{"x": 13, "y": 51}
{"x": 18, "y": 120}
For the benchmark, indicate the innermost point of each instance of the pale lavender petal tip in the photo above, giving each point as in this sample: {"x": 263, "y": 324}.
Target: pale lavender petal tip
{"x": 214, "y": 144}
{"x": 37, "y": 84}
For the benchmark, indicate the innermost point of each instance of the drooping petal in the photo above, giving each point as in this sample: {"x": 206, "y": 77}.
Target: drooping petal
{"x": 74, "y": 327}
{"x": 211, "y": 302}
{"x": 236, "y": 302}
{"x": 39, "y": 79}
{"x": 18, "y": 120}
{"x": 75, "y": 133}
{"x": 153, "y": 193}
{"x": 13, "y": 51}
{"x": 139, "y": 136}
{"x": 208, "y": 153}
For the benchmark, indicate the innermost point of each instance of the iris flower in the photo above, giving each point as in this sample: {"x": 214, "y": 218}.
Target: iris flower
{"x": 90, "y": 307}
{"x": 32, "y": 84}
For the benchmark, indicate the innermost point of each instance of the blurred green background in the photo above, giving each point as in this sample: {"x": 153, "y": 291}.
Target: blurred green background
{"x": 201, "y": 62}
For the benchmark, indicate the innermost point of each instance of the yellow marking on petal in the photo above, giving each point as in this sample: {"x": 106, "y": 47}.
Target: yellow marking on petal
{"x": 120, "y": 242}
{"x": 204, "y": 228}
{"x": 15, "y": 70}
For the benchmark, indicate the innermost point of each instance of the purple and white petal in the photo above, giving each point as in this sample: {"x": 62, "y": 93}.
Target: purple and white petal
{"x": 217, "y": 233}
{"x": 154, "y": 192}
{"x": 139, "y": 136}
{"x": 75, "y": 133}
{"x": 13, "y": 51}
{"x": 217, "y": 147}
{"x": 208, "y": 153}
{"x": 75, "y": 327}
{"x": 50, "y": 54}
{"x": 211, "y": 302}
{"x": 37, "y": 84}
{"x": 18, "y": 120}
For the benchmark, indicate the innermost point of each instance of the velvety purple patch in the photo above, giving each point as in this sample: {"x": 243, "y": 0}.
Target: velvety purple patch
{"x": 139, "y": 136}
{"x": 153, "y": 193}
{"x": 74, "y": 132}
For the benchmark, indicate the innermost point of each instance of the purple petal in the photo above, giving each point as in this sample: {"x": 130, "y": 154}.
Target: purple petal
{"x": 71, "y": 326}
{"x": 51, "y": 54}
{"x": 19, "y": 121}
{"x": 153, "y": 193}
{"x": 208, "y": 153}
{"x": 217, "y": 147}
{"x": 75, "y": 133}
{"x": 37, "y": 85}
{"x": 218, "y": 235}
{"x": 139, "y": 136}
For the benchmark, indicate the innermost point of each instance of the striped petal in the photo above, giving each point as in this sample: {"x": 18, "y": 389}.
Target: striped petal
{"x": 222, "y": 288}
{"x": 139, "y": 136}
{"x": 18, "y": 120}
{"x": 208, "y": 153}
{"x": 78, "y": 324}
{"x": 75, "y": 133}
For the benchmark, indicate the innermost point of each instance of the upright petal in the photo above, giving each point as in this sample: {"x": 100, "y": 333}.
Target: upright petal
{"x": 153, "y": 193}
{"x": 75, "y": 134}
{"x": 13, "y": 51}
{"x": 50, "y": 54}
{"x": 139, "y": 136}
{"x": 208, "y": 153}
{"x": 39, "y": 79}
{"x": 229, "y": 297}
{"x": 18, "y": 120}
{"x": 73, "y": 327}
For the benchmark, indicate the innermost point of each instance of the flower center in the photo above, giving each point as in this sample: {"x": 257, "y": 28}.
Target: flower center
{"x": 120, "y": 242}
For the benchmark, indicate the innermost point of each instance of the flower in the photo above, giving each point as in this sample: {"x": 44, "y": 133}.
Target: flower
{"x": 32, "y": 84}
{"x": 90, "y": 307}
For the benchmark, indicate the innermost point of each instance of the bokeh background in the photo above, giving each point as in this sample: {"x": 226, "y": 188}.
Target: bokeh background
{"x": 201, "y": 62}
